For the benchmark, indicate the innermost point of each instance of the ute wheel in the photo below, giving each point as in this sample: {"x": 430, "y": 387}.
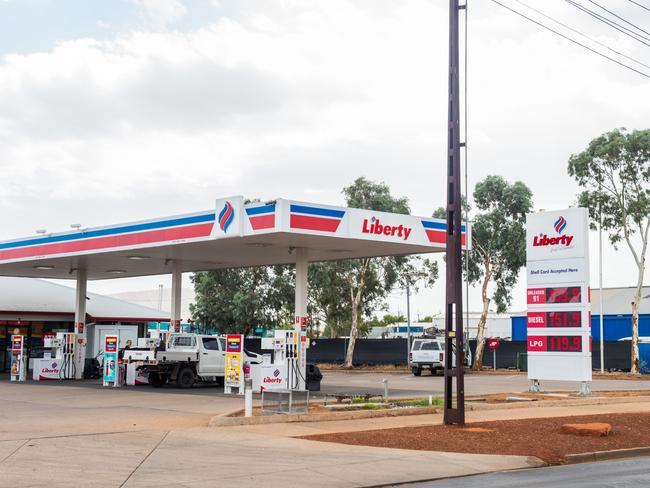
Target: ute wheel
{"x": 155, "y": 380}
{"x": 185, "y": 377}
{"x": 416, "y": 371}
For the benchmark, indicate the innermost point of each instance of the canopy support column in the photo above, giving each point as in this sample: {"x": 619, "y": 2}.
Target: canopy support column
{"x": 80, "y": 322}
{"x": 177, "y": 283}
{"x": 300, "y": 322}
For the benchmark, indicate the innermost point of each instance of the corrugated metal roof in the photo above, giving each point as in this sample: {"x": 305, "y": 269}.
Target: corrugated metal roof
{"x": 40, "y": 296}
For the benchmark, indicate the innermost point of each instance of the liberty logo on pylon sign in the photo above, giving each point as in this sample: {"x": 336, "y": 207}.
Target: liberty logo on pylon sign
{"x": 545, "y": 240}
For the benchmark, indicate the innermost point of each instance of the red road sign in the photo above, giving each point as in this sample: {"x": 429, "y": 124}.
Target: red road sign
{"x": 493, "y": 344}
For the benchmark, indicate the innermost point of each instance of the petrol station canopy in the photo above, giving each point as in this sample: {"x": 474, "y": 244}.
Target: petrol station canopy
{"x": 234, "y": 234}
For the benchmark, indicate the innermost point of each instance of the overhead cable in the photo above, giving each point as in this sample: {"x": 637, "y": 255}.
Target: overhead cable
{"x": 619, "y": 17}
{"x": 637, "y": 3}
{"x": 624, "y": 30}
{"x": 572, "y": 40}
{"x": 596, "y": 41}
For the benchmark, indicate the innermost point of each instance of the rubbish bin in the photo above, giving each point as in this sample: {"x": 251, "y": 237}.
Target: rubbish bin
{"x": 522, "y": 361}
{"x": 314, "y": 377}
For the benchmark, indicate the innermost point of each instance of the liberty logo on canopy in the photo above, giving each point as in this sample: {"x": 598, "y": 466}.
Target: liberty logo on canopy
{"x": 376, "y": 227}
{"x": 226, "y": 216}
{"x": 559, "y": 226}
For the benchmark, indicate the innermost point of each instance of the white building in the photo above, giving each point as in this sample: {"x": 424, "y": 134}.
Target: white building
{"x": 497, "y": 325}
{"x": 33, "y": 307}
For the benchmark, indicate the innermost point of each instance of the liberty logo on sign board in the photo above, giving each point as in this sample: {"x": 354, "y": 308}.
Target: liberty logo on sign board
{"x": 545, "y": 240}
{"x": 226, "y": 216}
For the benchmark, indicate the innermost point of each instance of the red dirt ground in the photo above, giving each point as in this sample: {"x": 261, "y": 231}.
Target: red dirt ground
{"x": 542, "y": 437}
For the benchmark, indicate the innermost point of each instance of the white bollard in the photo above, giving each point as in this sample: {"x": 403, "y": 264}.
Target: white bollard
{"x": 248, "y": 398}
{"x": 430, "y": 400}
{"x": 385, "y": 382}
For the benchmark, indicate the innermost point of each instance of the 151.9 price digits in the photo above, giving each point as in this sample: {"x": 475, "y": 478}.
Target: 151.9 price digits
{"x": 564, "y": 319}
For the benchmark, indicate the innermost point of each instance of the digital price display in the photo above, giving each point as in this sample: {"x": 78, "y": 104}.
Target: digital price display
{"x": 555, "y": 344}
{"x": 554, "y": 319}
{"x": 565, "y": 294}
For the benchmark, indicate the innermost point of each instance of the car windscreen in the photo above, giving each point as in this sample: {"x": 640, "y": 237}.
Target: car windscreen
{"x": 416, "y": 345}
{"x": 430, "y": 346}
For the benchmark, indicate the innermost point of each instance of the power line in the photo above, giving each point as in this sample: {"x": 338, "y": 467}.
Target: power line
{"x": 596, "y": 41}
{"x": 619, "y": 17}
{"x": 642, "y": 6}
{"x": 611, "y": 23}
{"x": 572, "y": 40}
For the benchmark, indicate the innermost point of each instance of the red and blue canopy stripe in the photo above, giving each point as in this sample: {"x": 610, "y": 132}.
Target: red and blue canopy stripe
{"x": 437, "y": 231}
{"x": 315, "y": 218}
{"x": 262, "y": 217}
{"x": 188, "y": 227}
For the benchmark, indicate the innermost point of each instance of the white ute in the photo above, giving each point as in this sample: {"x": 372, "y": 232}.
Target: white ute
{"x": 187, "y": 359}
{"x": 429, "y": 354}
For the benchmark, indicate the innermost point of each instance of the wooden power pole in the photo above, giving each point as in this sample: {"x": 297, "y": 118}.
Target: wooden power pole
{"x": 454, "y": 336}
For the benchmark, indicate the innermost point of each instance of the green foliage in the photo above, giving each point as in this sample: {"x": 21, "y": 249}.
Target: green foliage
{"x": 389, "y": 319}
{"x": 499, "y": 235}
{"x": 421, "y": 402}
{"x": 427, "y": 318}
{"x": 614, "y": 171}
{"x": 367, "y": 194}
{"x": 343, "y": 292}
{"x": 238, "y": 300}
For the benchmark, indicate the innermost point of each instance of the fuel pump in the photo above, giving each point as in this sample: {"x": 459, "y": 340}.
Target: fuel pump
{"x": 65, "y": 349}
{"x": 287, "y": 366}
{"x": 18, "y": 368}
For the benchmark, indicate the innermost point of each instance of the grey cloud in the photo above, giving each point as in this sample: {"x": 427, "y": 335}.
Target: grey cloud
{"x": 192, "y": 97}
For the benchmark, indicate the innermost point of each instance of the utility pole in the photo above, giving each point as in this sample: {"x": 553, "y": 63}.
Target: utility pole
{"x": 454, "y": 336}
{"x": 408, "y": 319}
{"x": 600, "y": 286}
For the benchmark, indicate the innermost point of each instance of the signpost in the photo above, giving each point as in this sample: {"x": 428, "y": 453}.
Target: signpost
{"x": 558, "y": 297}
{"x": 493, "y": 344}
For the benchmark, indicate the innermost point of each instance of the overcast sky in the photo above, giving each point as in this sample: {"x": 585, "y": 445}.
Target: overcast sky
{"x": 132, "y": 109}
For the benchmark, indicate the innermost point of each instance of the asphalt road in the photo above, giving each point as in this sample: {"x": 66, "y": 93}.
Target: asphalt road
{"x": 399, "y": 384}
{"x": 604, "y": 474}
{"x": 405, "y": 384}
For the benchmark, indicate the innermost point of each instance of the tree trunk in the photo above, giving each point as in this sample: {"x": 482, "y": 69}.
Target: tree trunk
{"x": 480, "y": 336}
{"x": 354, "y": 333}
{"x": 355, "y": 301}
{"x": 636, "y": 303}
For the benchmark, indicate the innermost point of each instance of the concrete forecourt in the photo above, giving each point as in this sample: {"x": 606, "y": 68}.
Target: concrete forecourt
{"x": 79, "y": 434}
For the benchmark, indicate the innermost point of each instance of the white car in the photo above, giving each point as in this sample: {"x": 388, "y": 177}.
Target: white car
{"x": 430, "y": 354}
{"x": 188, "y": 358}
